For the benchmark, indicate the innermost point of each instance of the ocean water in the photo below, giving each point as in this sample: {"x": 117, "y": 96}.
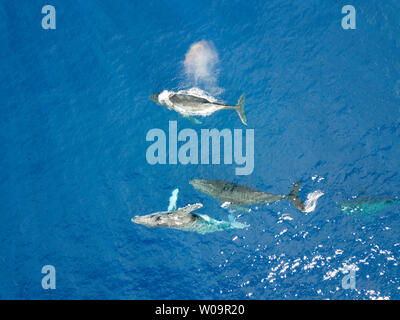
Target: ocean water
{"x": 324, "y": 104}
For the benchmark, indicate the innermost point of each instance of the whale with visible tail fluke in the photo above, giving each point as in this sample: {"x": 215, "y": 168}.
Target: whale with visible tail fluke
{"x": 190, "y": 104}
{"x": 184, "y": 219}
{"x": 235, "y": 194}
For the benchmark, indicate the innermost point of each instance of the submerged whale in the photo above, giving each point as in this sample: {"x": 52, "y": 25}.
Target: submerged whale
{"x": 184, "y": 219}
{"x": 366, "y": 205}
{"x": 190, "y": 105}
{"x": 235, "y": 194}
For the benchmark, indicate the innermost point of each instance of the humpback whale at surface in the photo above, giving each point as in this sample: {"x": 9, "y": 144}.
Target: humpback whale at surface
{"x": 235, "y": 194}
{"x": 185, "y": 219}
{"x": 189, "y": 104}
{"x": 366, "y": 205}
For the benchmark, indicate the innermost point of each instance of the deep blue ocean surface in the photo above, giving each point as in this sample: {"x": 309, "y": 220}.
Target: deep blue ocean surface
{"x": 324, "y": 104}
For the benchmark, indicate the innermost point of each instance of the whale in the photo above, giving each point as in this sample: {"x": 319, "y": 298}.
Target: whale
{"x": 186, "y": 220}
{"x": 236, "y": 195}
{"x": 367, "y": 205}
{"x": 191, "y": 105}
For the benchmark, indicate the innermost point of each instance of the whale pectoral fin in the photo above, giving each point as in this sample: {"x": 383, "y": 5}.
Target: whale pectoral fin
{"x": 235, "y": 224}
{"x": 193, "y": 119}
{"x": 189, "y": 208}
{"x": 234, "y": 207}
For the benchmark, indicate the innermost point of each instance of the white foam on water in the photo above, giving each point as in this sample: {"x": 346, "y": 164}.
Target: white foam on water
{"x": 286, "y": 217}
{"x": 172, "y": 200}
{"x": 311, "y": 203}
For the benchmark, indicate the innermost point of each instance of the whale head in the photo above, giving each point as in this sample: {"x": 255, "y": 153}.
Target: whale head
{"x": 154, "y": 98}
{"x": 202, "y": 185}
{"x": 150, "y": 220}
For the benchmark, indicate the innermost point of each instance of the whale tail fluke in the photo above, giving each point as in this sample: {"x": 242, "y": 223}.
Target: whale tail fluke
{"x": 240, "y": 109}
{"x": 293, "y": 196}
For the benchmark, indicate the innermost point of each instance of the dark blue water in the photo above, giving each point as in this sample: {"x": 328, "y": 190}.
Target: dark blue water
{"x": 324, "y": 103}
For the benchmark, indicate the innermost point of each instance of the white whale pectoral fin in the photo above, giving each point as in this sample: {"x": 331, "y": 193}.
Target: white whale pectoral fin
{"x": 226, "y": 204}
{"x": 234, "y": 207}
{"x": 205, "y": 217}
{"x": 189, "y": 208}
{"x": 193, "y": 119}
{"x": 195, "y": 206}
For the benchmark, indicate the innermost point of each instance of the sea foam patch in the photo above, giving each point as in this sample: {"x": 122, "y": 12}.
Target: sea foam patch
{"x": 311, "y": 203}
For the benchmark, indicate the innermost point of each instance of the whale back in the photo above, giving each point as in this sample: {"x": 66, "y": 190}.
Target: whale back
{"x": 364, "y": 205}
{"x": 233, "y": 193}
{"x": 179, "y": 219}
{"x": 179, "y": 98}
